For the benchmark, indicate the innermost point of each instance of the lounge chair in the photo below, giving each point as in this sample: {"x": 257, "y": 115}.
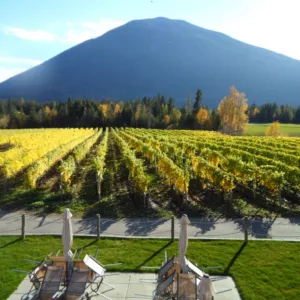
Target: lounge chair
{"x": 51, "y": 283}
{"x": 99, "y": 272}
{"x": 193, "y": 268}
{"x": 37, "y": 274}
{"x": 77, "y": 285}
{"x": 165, "y": 290}
{"x": 166, "y": 270}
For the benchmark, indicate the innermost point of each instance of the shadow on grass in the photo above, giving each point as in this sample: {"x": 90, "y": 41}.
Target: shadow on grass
{"x": 154, "y": 254}
{"x": 10, "y": 243}
{"x": 235, "y": 257}
{"x": 89, "y": 244}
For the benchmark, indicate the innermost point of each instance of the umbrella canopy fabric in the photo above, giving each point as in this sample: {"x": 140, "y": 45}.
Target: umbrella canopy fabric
{"x": 67, "y": 234}
{"x": 183, "y": 241}
{"x": 205, "y": 288}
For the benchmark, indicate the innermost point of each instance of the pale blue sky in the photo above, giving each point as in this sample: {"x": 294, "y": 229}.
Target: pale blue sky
{"x": 32, "y": 31}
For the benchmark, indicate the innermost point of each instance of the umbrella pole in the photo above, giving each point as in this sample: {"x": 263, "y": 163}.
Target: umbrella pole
{"x": 67, "y": 274}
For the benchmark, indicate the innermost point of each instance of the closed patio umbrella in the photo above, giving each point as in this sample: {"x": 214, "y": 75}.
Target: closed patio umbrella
{"x": 67, "y": 237}
{"x": 183, "y": 241}
{"x": 67, "y": 234}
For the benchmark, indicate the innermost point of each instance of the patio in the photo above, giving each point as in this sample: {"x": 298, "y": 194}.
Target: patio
{"x": 127, "y": 285}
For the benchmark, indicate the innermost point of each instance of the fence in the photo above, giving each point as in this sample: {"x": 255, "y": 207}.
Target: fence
{"x": 238, "y": 229}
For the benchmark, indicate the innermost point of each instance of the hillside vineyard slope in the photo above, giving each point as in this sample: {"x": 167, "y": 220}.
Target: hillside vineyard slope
{"x": 170, "y": 57}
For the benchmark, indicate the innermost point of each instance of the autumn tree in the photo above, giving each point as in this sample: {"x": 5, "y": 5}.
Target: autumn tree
{"x": 138, "y": 113}
{"x": 117, "y": 109}
{"x": 273, "y": 130}
{"x": 104, "y": 109}
{"x": 167, "y": 120}
{"x": 175, "y": 116}
{"x": 202, "y": 116}
{"x": 232, "y": 110}
{"x": 4, "y": 121}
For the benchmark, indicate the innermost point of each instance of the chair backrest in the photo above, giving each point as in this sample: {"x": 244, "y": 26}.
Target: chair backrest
{"x": 51, "y": 282}
{"x": 194, "y": 269}
{"x": 37, "y": 274}
{"x": 186, "y": 287}
{"x": 94, "y": 265}
{"x": 166, "y": 267}
{"x": 79, "y": 264}
{"x": 77, "y": 283}
{"x": 165, "y": 286}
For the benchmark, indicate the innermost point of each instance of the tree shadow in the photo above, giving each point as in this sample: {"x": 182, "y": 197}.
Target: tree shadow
{"x": 145, "y": 227}
{"x": 89, "y": 226}
{"x": 295, "y": 221}
{"x": 124, "y": 227}
{"x": 86, "y": 226}
{"x": 258, "y": 228}
{"x": 205, "y": 224}
{"x": 235, "y": 257}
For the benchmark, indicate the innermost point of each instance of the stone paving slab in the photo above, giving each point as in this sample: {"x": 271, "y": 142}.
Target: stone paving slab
{"x": 128, "y": 285}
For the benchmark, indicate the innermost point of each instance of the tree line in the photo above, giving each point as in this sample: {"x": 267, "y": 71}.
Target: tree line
{"x": 155, "y": 112}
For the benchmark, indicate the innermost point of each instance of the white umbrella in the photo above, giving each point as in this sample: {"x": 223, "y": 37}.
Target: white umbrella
{"x": 205, "y": 288}
{"x": 67, "y": 235}
{"x": 183, "y": 241}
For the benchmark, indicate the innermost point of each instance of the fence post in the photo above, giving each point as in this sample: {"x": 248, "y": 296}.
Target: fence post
{"x": 98, "y": 227}
{"x": 246, "y": 229}
{"x": 23, "y": 226}
{"x": 172, "y": 228}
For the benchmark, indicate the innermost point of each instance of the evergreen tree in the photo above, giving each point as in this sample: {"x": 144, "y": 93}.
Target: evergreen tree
{"x": 297, "y": 115}
{"x": 171, "y": 105}
{"x": 188, "y": 105}
{"x": 153, "y": 112}
{"x": 198, "y": 100}
{"x": 2, "y": 108}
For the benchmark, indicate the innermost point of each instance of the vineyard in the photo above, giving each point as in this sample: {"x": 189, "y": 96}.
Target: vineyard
{"x": 145, "y": 172}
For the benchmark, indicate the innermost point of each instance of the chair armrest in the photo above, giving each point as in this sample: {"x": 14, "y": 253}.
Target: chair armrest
{"x": 20, "y": 271}
{"x": 211, "y": 268}
{"x": 31, "y": 260}
{"x": 112, "y": 265}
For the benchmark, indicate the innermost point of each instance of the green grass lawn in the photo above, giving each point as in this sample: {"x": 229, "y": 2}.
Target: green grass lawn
{"x": 261, "y": 270}
{"x": 285, "y": 129}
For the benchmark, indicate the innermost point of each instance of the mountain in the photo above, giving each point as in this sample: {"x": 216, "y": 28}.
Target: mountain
{"x": 170, "y": 57}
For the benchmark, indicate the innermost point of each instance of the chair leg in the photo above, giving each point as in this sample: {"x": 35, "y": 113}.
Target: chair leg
{"x": 108, "y": 285}
{"x": 103, "y": 296}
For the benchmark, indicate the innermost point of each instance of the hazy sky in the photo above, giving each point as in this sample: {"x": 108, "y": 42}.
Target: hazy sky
{"x": 32, "y": 31}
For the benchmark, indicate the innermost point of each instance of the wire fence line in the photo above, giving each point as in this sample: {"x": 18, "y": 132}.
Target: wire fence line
{"x": 238, "y": 229}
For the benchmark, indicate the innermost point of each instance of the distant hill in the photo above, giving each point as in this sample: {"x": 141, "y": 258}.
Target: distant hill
{"x": 170, "y": 57}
